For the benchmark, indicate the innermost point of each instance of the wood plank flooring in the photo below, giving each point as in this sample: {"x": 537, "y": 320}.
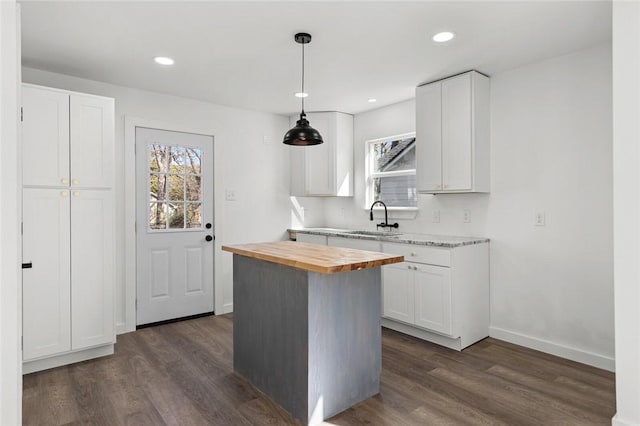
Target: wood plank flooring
{"x": 182, "y": 374}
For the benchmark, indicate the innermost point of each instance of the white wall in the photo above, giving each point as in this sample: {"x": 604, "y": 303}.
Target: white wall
{"x": 249, "y": 158}
{"x": 626, "y": 203}
{"x": 551, "y": 149}
{"x": 10, "y": 294}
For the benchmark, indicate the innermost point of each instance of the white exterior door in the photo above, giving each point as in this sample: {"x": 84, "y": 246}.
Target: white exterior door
{"x": 174, "y": 225}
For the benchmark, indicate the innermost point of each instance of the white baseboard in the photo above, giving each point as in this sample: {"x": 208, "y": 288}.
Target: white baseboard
{"x": 617, "y": 421}
{"x": 578, "y": 355}
{"x": 121, "y": 328}
{"x": 66, "y": 358}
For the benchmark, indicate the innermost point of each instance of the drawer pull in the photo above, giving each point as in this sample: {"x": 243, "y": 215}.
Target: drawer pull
{"x": 64, "y": 193}
{"x": 64, "y": 181}
{"x": 75, "y": 181}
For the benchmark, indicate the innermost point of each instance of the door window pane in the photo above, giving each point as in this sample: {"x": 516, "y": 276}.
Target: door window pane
{"x": 193, "y": 218}
{"x": 157, "y": 217}
{"x": 176, "y": 215}
{"x": 176, "y": 188}
{"x": 175, "y": 175}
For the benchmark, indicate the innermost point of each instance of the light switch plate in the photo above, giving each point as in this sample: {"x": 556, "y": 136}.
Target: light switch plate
{"x": 466, "y": 215}
{"x": 539, "y": 219}
{"x": 230, "y": 195}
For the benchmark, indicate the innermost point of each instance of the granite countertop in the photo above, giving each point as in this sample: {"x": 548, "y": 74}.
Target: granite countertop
{"x": 311, "y": 257}
{"x": 447, "y": 241}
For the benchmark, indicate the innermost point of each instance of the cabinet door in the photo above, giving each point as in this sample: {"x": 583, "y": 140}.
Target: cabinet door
{"x": 92, "y": 134}
{"x": 45, "y": 137}
{"x": 398, "y": 292}
{"x": 429, "y": 137}
{"x": 92, "y": 257}
{"x": 319, "y": 160}
{"x": 456, "y": 133}
{"x": 46, "y": 294}
{"x": 433, "y": 298}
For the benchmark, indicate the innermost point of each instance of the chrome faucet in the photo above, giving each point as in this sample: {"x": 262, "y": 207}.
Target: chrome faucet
{"x": 386, "y": 223}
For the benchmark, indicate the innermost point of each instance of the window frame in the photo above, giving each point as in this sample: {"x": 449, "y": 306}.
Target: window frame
{"x": 369, "y": 174}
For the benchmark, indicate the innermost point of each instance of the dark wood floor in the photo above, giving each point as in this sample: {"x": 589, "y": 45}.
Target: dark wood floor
{"x": 182, "y": 374}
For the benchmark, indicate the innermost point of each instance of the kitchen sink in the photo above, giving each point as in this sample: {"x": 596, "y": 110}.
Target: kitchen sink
{"x": 374, "y": 233}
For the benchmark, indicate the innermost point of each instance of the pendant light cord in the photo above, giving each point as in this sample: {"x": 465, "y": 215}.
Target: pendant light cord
{"x": 302, "y": 78}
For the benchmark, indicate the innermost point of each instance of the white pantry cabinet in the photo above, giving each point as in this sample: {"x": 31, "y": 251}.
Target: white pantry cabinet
{"x": 325, "y": 169}
{"x": 452, "y": 134}
{"x": 68, "y": 227}
{"x": 67, "y": 139}
{"x": 438, "y": 294}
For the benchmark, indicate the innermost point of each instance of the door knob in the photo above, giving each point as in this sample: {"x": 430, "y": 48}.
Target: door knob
{"x": 208, "y": 226}
{"x": 208, "y": 238}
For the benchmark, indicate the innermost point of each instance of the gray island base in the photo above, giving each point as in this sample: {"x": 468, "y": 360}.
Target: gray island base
{"x": 309, "y": 340}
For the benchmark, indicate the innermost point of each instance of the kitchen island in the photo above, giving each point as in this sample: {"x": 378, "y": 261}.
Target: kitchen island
{"x": 306, "y": 324}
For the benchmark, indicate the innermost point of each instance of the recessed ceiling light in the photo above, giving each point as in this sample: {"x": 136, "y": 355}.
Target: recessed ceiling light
{"x": 301, "y": 94}
{"x": 163, "y": 60}
{"x": 371, "y": 100}
{"x": 443, "y": 36}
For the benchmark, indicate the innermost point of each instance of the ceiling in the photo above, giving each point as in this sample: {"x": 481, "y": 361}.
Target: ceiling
{"x": 242, "y": 53}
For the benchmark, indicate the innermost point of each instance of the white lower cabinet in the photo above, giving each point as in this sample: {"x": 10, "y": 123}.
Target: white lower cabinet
{"x": 354, "y": 243}
{"x": 67, "y": 296}
{"x": 46, "y": 286}
{"x": 311, "y": 238}
{"x": 438, "y": 294}
{"x": 432, "y": 288}
{"x": 398, "y": 294}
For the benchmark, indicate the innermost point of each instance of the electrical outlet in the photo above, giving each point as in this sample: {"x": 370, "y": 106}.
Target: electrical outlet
{"x": 435, "y": 216}
{"x": 466, "y": 215}
{"x": 540, "y": 219}
{"x": 230, "y": 195}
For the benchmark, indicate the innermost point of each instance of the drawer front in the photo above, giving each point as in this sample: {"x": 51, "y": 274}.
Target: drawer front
{"x": 419, "y": 254}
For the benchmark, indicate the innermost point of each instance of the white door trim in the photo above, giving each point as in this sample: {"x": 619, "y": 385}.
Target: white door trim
{"x": 130, "y": 124}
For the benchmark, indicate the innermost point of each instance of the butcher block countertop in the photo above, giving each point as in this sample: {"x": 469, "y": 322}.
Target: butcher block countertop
{"x": 313, "y": 257}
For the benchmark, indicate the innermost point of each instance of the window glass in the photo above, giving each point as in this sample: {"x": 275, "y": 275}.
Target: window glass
{"x": 391, "y": 171}
{"x": 175, "y": 187}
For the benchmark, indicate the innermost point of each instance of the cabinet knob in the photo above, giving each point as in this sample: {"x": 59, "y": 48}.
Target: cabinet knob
{"x": 415, "y": 268}
{"x": 64, "y": 181}
{"x": 76, "y": 193}
{"x": 75, "y": 181}
{"x": 408, "y": 266}
{"x": 63, "y": 193}
{"x": 413, "y": 253}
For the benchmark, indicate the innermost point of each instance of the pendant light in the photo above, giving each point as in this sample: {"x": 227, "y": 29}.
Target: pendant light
{"x": 302, "y": 134}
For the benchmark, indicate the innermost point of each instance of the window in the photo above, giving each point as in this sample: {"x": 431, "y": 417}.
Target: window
{"x": 391, "y": 171}
{"x": 175, "y": 191}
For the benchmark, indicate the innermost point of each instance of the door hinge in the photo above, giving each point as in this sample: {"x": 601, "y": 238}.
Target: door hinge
{"x": 21, "y": 342}
{"x": 136, "y": 305}
{"x": 21, "y": 228}
{"x": 21, "y": 114}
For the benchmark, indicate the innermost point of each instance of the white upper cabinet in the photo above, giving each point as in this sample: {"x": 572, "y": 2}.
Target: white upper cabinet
{"x": 92, "y": 129}
{"x": 45, "y": 137}
{"x": 67, "y": 139}
{"x": 325, "y": 169}
{"x": 452, "y": 134}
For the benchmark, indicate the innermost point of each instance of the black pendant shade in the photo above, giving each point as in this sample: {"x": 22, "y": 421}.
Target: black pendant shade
{"x": 302, "y": 134}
